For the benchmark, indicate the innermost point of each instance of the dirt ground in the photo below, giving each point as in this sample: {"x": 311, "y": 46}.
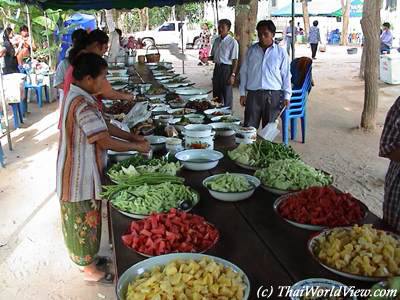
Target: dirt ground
{"x": 33, "y": 260}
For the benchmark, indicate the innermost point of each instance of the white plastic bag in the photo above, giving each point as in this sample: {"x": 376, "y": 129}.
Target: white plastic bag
{"x": 270, "y": 131}
{"x": 137, "y": 114}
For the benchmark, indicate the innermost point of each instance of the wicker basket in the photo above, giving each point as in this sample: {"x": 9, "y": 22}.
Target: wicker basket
{"x": 152, "y": 57}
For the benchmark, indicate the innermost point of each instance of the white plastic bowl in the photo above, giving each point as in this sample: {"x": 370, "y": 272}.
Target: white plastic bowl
{"x": 173, "y": 145}
{"x": 146, "y": 265}
{"x": 162, "y": 119}
{"x": 157, "y": 143}
{"x": 118, "y": 72}
{"x": 199, "y": 142}
{"x": 199, "y": 160}
{"x": 246, "y": 135}
{"x": 235, "y": 120}
{"x": 177, "y": 111}
{"x": 223, "y": 110}
{"x": 233, "y": 196}
{"x": 243, "y": 141}
{"x": 195, "y": 118}
{"x": 142, "y": 87}
{"x": 159, "y": 96}
{"x": 191, "y": 91}
{"x": 219, "y": 129}
{"x": 197, "y": 130}
{"x": 119, "y": 156}
{"x": 194, "y": 97}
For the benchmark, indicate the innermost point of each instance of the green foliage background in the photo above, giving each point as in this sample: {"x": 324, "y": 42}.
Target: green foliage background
{"x": 14, "y": 14}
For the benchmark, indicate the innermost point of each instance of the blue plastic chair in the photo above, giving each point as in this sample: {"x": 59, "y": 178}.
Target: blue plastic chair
{"x": 17, "y": 109}
{"x": 38, "y": 90}
{"x": 296, "y": 110}
{"x": 17, "y": 115}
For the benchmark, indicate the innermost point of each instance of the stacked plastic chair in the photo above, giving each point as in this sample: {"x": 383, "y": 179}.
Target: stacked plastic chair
{"x": 2, "y": 164}
{"x": 297, "y": 108}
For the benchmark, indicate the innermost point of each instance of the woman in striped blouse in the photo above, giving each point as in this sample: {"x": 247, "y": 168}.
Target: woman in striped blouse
{"x": 84, "y": 139}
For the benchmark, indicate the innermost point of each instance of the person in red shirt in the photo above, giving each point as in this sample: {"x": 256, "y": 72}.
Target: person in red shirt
{"x": 97, "y": 43}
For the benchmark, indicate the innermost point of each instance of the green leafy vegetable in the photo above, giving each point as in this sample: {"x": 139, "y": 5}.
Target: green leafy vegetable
{"x": 127, "y": 182}
{"x": 229, "y": 183}
{"x": 138, "y": 165}
{"x": 292, "y": 175}
{"x": 146, "y": 199}
{"x": 262, "y": 153}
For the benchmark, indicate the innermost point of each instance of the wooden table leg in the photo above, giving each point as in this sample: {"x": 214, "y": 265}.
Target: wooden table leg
{"x": 109, "y": 223}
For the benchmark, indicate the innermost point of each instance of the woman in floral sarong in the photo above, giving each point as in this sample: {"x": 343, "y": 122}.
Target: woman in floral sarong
{"x": 204, "y": 51}
{"x": 84, "y": 139}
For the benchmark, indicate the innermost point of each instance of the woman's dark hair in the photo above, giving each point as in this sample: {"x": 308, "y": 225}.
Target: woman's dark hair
{"x": 88, "y": 64}
{"x": 315, "y": 23}
{"x": 97, "y": 36}
{"x": 79, "y": 37}
{"x": 119, "y": 31}
{"x": 387, "y": 25}
{"x": 24, "y": 28}
{"x": 268, "y": 24}
{"x": 225, "y": 22}
{"x": 6, "y": 33}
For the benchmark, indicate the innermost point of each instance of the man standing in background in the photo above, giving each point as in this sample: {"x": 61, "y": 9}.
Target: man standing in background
{"x": 386, "y": 38}
{"x": 224, "y": 53}
{"x": 289, "y": 36}
{"x": 264, "y": 75}
{"x": 314, "y": 38}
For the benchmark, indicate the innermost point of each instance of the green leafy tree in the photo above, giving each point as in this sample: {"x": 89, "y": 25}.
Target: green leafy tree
{"x": 194, "y": 12}
{"x": 158, "y": 15}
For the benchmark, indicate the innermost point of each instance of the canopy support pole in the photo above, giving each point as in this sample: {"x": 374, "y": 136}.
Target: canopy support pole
{"x": 294, "y": 33}
{"x": 28, "y": 16}
{"x": 183, "y": 51}
{"x": 215, "y": 17}
{"x": 4, "y": 106}
{"x": 216, "y": 9}
{"x": 47, "y": 37}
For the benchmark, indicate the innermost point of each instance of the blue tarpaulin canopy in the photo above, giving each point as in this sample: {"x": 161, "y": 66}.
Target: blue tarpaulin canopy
{"x": 104, "y": 4}
{"x": 315, "y": 8}
{"x": 84, "y": 21}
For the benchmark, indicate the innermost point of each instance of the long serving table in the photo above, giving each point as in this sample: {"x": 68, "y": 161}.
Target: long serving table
{"x": 269, "y": 250}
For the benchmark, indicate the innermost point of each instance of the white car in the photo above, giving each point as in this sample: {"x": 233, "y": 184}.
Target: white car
{"x": 169, "y": 33}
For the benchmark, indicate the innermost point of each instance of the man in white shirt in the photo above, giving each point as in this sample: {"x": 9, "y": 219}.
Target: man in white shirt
{"x": 289, "y": 36}
{"x": 224, "y": 53}
{"x": 264, "y": 76}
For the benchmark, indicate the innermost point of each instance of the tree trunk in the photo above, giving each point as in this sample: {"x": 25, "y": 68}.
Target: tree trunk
{"x": 306, "y": 18}
{"x": 370, "y": 24}
{"x": 245, "y": 23}
{"x": 144, "y": 19}
{"x": 362, "y": 64}
{"x": 173, "y": 14}
{"x": 146, "y": 16}
{"x": 345, "y": 20}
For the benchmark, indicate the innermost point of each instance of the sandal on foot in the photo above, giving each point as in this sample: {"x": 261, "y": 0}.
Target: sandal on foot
{"x": 102, "y": 260}
{"x": 106, "y": 280}
{"x": 101, "y": 263}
